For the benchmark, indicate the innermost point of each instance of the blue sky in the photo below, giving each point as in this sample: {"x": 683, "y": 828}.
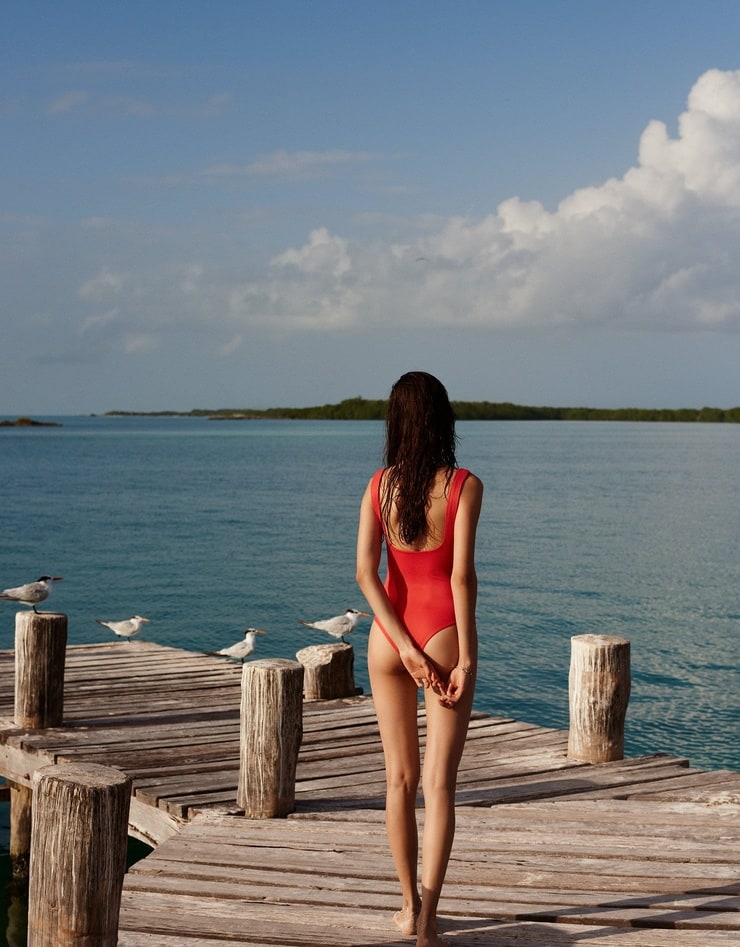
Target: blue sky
{"x": 234, "y": 204}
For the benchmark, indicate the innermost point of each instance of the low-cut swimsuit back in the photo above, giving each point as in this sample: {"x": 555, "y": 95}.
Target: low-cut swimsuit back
{"x": 418, "y": 581}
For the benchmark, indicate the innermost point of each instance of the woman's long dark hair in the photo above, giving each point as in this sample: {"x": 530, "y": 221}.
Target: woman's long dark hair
{"x": 419, "y": 440}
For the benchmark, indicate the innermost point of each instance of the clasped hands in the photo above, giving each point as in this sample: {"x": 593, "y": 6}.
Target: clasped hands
{"x": 425, "y": 675}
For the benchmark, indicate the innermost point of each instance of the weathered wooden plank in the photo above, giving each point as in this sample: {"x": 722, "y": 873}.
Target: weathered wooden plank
{"x": 203, "y": 914}
{"x": 298, "y": 886}
{"x": 150, "y": 825}
{"x": 142, "y": 739}
{"x": 234, "y": 836}
{"x": 491, "y": 746}
{"x": 595, "y": 812}
{"x": 208, "y": 916}
{"x": 686, "y": 823}
{"x": 264, "y": 922}
{"x": 208, "y": 875}
{"x": 498, "y": 867}
{"x": 686, "y": 785}
{"x": 266, "y": 875}
{"x": 156, "y": 791}
{"x": 193, "y": 759}
{"x": 166, "y": 734}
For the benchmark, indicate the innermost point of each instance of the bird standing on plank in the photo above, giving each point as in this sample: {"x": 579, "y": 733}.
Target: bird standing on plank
{"x": 33, "y": 592}
{"x": 340, "y": 625}
{"x": 242, "y": 649}
{"x": 124, "y": 629}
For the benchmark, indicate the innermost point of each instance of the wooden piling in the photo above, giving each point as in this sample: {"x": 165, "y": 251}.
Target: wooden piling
{"x": 78, "y": 855}
{"x": 328, "y": 671}
{"x": 270, "y": 737}
{"x": 21, "y": 800}
{"x": 40, "y": 649}
{"x": 599, "y": 689}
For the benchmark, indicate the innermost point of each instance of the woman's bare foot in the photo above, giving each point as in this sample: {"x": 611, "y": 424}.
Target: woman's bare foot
{"x": 427, "y": 935}
{"x": 405, "y": 921}
{"x": 431, "y": 940}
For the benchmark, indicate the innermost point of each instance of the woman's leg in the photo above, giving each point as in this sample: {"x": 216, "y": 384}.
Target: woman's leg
{"x": 447, "y": 729}
{"x": 395, "y": 697}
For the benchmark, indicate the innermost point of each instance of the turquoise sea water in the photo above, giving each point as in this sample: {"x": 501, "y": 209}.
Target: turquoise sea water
{"x": 206, "y": 527}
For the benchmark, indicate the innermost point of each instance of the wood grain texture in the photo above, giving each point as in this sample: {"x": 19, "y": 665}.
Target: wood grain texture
{"x": 598, "y": 694}
{"x": 78, "y": 855}
{"x": 40, "y": 650}
{"x": 328, "y": 671}
{"x": 271, "y": 733}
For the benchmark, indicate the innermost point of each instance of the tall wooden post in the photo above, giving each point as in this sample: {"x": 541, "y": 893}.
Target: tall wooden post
{"x": 599, "y": 690}
{"x": 78, "y": 855}
{"x": 40, "y": 649}
{"x": 21, "y": 799}
{"x": 328, "y": 671}
{"x": 271, "y": 734}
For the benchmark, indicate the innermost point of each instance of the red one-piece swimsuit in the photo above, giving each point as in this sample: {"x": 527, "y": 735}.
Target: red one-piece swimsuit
{"x": 418, "y": 581}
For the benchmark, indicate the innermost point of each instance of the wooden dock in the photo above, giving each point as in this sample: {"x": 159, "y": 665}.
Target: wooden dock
{"x": 549, "y": 852}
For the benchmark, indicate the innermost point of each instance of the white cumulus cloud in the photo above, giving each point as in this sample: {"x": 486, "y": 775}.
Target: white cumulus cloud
{"x": 323, "y": 254}
{"x": 656, "y": 247}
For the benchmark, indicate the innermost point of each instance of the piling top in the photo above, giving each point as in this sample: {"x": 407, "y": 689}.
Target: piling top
{"x": 596, "y": 640}
{"x": 29, "y": 616}
{"x": 82, "y": 774}
{"x": 276, "y": 664}
{"x": 318, "y": 653}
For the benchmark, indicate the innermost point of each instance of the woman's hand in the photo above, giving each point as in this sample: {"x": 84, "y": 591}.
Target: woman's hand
{"x": 460, "y": 679}
{"x": 421, "y": 669}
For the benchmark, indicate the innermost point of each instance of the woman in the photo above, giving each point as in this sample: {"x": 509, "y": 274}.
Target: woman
{"x": 424, "y": 633}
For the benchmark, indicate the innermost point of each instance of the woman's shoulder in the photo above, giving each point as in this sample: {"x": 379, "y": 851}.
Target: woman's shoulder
{"x": 467, "y": 474}
{"x": 372, "y": 490}
{"x": 471, "y": 483}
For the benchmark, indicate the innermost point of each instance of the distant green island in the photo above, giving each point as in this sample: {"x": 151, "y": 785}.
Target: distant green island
{"x": 28, "y": 422}
{"x": 365, "y": 409}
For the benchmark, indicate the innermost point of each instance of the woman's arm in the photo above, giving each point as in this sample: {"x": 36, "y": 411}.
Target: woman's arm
{"x": 464, "y": 583}
{"x": 369, "y": 544}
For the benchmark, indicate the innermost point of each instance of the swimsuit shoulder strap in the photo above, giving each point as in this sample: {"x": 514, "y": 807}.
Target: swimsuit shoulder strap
{"x": 375, "y": 491}
{"x": 458, "y": 479}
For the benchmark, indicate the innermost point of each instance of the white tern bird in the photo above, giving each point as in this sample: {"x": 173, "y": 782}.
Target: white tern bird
{"x": 33, "y": 592}
{"x": 340, "y": 625}
{"x": 242, "y": 649}
{"x": 124, "y": 629}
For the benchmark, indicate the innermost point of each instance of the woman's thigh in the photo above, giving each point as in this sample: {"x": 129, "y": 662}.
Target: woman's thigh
{"x": 395, "y": 696}
{"x": 447, "y": 728}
